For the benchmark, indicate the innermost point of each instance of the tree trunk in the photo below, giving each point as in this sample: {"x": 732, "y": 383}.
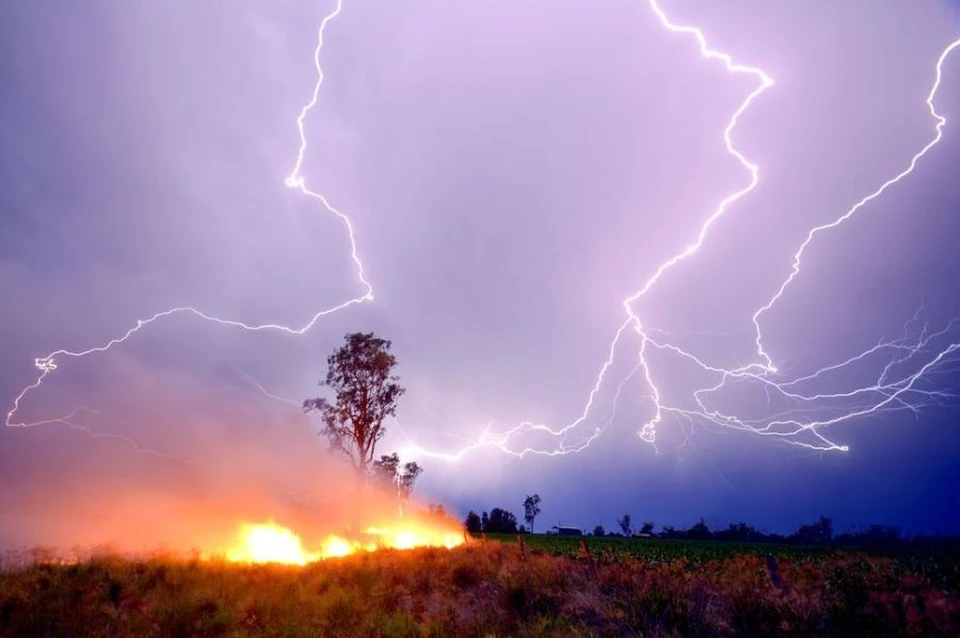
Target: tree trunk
{"x": 360, "y": 479}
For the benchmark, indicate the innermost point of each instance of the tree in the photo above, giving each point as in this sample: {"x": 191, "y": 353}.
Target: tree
{"x": 816, "y": 533}
{"x": 473, "y": 523}
{"x": 531, "y": 508}
{"x": 366, "y": 393}
{"x": 699, "y": 530}
{"x": 647, "y": 528}
{"x": 739, "y": 532}
{"x": 501, "y": 522}
{"x": 669, "y": 531}
{"x": 598, "y": 530}
{"x": 624, "y": 524}
{"x": 484, "y": 521}
{"x": 388, "y": 474}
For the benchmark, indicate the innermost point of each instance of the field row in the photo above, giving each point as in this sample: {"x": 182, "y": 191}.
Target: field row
{"x": 939, "y": 565}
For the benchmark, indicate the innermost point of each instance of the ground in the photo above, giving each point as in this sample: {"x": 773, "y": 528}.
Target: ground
{"x": 487, "y": 588}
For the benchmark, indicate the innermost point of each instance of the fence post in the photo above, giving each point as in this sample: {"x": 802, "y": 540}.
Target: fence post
{"x": 523, "y": 547}
{"x": 586, "y": 552}
{"x": 774, "y": 571}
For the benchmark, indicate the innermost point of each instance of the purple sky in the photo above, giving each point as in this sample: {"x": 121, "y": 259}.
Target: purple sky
{"x": 512, "y": 173}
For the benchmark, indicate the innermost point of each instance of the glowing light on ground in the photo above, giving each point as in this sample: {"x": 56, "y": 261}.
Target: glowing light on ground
{"x": 272, "y": 543}
{"x": 269, "y": 543}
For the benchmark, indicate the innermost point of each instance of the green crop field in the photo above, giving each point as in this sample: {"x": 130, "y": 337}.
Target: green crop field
{"x": 940, "y": 565}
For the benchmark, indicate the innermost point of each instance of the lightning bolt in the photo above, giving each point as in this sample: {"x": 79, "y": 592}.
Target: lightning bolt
{"x": 48, "y": 364}
{"x": 800, "y": 412}
{"x": 941, "y": 121}
{"x": 647, "y": 432}
{"x": 270, "y": 395}
{"x": 801, "y": 417}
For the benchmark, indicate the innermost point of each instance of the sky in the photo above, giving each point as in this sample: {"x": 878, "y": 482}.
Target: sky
{"x": 511, "y": 173}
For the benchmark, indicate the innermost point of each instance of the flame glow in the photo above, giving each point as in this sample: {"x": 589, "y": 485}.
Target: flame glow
{"x": 272, "y": 543}
{"x": 269, "y": 543}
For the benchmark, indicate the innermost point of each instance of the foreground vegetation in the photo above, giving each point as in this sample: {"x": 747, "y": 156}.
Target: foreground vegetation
{"x": 486, "y": 588}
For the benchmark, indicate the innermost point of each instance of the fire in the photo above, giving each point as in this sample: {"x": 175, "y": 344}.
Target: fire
{"x": 416, "y": 536}
{"x": 336, "y": 547}
{"x": 269, "y": 543}
{"x": 272, "y": 543}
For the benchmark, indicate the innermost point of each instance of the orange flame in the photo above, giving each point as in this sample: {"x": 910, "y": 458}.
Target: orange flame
{"x": 272, "y": 543}
{"x": 269, "y": 543}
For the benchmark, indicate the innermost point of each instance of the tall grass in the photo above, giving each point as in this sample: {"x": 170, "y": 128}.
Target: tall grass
{"x": 484, "y": 589}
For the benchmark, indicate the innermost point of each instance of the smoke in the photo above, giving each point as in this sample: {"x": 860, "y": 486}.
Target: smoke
{"x": 204, "y": 455}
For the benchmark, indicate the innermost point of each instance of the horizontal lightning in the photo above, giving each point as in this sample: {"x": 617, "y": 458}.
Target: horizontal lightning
{"x": 48, "y": 364}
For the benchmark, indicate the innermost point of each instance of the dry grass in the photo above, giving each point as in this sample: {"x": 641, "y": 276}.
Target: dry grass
{"x": 486, "y": 589}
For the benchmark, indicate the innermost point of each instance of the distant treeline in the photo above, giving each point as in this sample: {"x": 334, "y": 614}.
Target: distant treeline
{"x": 820, "y": 532}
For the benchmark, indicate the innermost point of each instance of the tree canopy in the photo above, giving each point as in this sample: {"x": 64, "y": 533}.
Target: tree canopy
{"x": 501, "y": 521}
{"x": 473, "y": 523}
{"x": 366, "y": 392}
{"x": 531, "y": 508}
{"x": 389, "y": 475}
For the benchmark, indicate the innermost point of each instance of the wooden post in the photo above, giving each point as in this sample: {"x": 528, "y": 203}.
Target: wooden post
{"x": 774, "y": 571}
{"x": 523, "y": 547}
{"x": 586, "y": 552}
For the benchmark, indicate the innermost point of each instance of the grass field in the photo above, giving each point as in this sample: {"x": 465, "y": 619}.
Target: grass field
{"x": 940, "y": 565}
{"x": 483, "y": 589}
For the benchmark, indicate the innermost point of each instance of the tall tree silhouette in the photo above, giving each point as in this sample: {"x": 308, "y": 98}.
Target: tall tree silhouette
{"x": 365, "y": 393}
{"x": 531, "y": 508}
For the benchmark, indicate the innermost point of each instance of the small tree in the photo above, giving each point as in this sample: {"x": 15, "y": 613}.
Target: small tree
{"x": 819, "y": 532}
{"x": 501, "y": 521}
{"x": 388, "y": 474}
{"x": 484, "y": 521}
{"x": 624, "y": 523}
{"x": 366, "y": 392}
{"x": 598, "y": 530}
{"x": 531, "y": 508}
{"x": 647, "y": 528}
{"x": 473, "y": 523}
{"x": 699, "y": 530}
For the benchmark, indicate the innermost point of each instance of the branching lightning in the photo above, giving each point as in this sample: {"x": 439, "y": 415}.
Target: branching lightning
{"x": 48, "y": 364}
{"x": 270, "y": 395}
{"x": 797, "y": 412}
{"x": 804, "y": 415}
{"x": 798, "y": 256}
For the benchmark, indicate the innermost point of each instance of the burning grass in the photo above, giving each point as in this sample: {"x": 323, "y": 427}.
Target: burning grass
{"x": 272, "y": 543}
{"x": 479, "y": 589}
